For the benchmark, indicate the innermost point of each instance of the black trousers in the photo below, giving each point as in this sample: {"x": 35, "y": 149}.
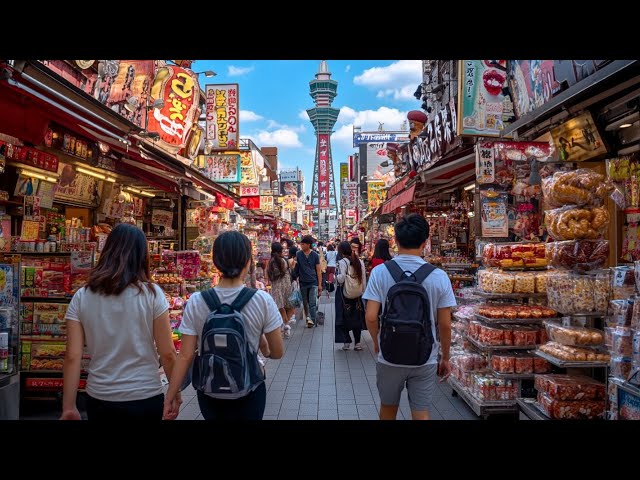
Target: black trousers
{"x": 147, "y": 409}
{"x": 357, "y": 333}
{"x": 250, "y": 407}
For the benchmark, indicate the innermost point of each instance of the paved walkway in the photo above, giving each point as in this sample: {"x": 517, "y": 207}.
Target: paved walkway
{"x": 317, "y": 380}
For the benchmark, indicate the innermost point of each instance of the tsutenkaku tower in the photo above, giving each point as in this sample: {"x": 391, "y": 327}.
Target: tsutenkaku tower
{"x": 323, "y": 117}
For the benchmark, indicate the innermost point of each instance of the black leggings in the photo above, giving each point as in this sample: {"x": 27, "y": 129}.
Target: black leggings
{"x": 147, "y": 409}
{"x": 357, "y": 332}
{"x": 250, "y": 407}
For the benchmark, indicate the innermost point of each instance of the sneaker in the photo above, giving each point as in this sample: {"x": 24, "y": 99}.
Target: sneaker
{"x": 287, "y": 331}
{"x": 292, "y": 321}
{"x": 358, "y": 347}
{"x": 309, "y": 323}
{"x": 346, "y": 346}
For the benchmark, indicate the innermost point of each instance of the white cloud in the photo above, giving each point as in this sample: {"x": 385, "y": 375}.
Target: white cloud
{"x": 369, "y": 120}
{"x": 237, "y": 71}
{"x": 398, "y": 80}
{"x": 271, "y": 124}
{"x": 281, "y": 137}
{"x": 347, "y": 69}
{"x": 249, "y": 116}
{"x": 303, "y": 115}
{"x": 347, "y": 114}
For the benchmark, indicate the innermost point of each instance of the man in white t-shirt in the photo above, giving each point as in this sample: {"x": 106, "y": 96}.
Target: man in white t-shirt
{"x": 411, "y": 233}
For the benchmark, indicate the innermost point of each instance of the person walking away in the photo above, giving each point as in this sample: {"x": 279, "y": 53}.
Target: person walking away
{"x": 332, "y": 260}
{"x": 349, "y": 308}
{"x": 225, "y": 324}
{"x": 124, "y": 320}
{"x": 381, "y": 253}
{"x": 281, "y": 287}
{"x": 292, "y": 262}
{"x": 414, "y": 337}
{"x": 309, "y": 276}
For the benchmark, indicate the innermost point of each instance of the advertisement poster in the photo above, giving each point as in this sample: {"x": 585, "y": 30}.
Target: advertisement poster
{"x": 484, "y": 109}
{"x": 323, "y": 170}
{"x": 290, "y": 203}
{"x": 46, "y": 192}
{"x": 578, "y": 139}
{"x": 30, "y": 230}
{"x": 376, "y": 155}
{"x": 223, "y": 168}
{"x": 26, "y": 186}
{"x": 178, "y": 88}
{"x": 249, "y": 191}
{"x": 291, "y": 188}
{"x": 223, "y": 116}
{"x": 162, "y": 218}
{"x": 75, "y": 187}
{"x": 532, "y": 84}
{"x": 493, "y": 207}
{"x": 376, "y": 194}
{"x": 266, "y": 203}
{"x": 351, "y": 194}
{"x": 248, "y": 174}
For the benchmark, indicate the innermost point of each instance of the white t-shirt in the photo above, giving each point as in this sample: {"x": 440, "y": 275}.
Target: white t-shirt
{"x": 261, "y": 314}
{"x": 438, "y": 288}
{"x": 331, "y": 258}
{"x": 118, "y": 332}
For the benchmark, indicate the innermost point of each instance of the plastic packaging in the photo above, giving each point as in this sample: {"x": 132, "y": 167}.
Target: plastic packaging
{"x": 570, "y": 387}
{"x": 579, "y": 187}
{"x": 514, "y": 255}
{"x": 574, "y": 336}
{"x": 622, "y": 342}
{"x": 620, "y": 313}
{"x": 572, "y": 294}
{"x": 572, "y": 409}
{"x": 524, "y": 283}
{"x": 574, "y": 223}
{"x": 540, "y": 365}
{"x": 623, "y": 283}
{"x": 573, "y": 354}
{"x": 579, "y": 255}
{"x": 513, "y": 312}
{"x": 621, "y": 367}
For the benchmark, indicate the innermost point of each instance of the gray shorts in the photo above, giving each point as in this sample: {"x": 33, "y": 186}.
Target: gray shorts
{"x": 420, "y": 382}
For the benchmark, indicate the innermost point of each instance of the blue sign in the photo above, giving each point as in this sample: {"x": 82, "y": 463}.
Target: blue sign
{"x": 379, "y": 137}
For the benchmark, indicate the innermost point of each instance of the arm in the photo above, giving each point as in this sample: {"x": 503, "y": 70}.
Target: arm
{"x": 275, "y": 343}
{"x": 172, "y": 400}
{"x": 444, "y": 329}
{"x": 164, "y": 342}
{"x": 72, "y": 368}
{"x": 371, "y": 317}
{"x": 319, "y": 273}
{"x": 264, "y": 346}
{"x": 271, "y": 327}
{"x": 340, "y": 276}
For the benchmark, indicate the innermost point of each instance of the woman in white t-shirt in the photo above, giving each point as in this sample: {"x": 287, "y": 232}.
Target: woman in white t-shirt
{"x": 332, "y": 257}
{"x": 124, "y": 320}
{"x": 232, "y": 257}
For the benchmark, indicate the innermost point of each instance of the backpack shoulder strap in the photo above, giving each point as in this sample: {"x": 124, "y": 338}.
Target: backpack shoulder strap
{"x": 395, "y": 270}
{"x": 211, "y": 298}
{"x": 423, "y": 272}
{"x": 243, "y": 298}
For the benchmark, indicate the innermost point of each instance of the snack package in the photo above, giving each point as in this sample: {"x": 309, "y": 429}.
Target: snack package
{"x": 622, "y": 342}
{"x": 503, "y": 283}
{"x": 571, "y": 410}
{"x": 621, "y": 313}
{"x": 515, "y": 255}
{"x": 623, "y": 283}
{"x": 573, "y": 354}
{"x": 575, "y": 223}
{"x": 570, "y": 387}
{"x": 578, "y": 255}
{"x": 572, "y": 294}
{"x": 580, "y": 187}
{"x": 574, "y": 336}
{"x": 621, "y": 367}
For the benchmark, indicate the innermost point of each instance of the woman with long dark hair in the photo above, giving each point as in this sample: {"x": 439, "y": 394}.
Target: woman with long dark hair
{"x": 381, "y": 253}
{"x": 280, "y": 277}
{"x": 232, "y": 258}
{"x": 349, "y": 311}
{"x": 124, "y": 320}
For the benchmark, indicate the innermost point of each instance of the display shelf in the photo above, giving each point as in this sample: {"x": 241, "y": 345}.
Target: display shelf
{"x": 626, "y": 386}
{"x": 499, "y": 296}
{"x": 514, "y": 376}
{"x": 466, "y": 300}
{"x": 529, "y": 406}
{"x": 524, "y": 269}
{"x": 569, "y": 364}
{"x": 459, "y": 318}
{"x": 488, "y": 348}
{"x": 511, "y": 320}
{"x": 482, "y": 408}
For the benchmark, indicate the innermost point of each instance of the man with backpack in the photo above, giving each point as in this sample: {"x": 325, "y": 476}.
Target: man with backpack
{"x": 414, "y": 338}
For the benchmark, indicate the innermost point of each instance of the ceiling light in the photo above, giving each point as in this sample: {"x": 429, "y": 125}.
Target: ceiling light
{"x": 470, "y": 187}
{"x": 139, "y": 192}
{"x": 39, "y": 176}
{"x": 95, "y": 174}
{"x": 625, "y": 125}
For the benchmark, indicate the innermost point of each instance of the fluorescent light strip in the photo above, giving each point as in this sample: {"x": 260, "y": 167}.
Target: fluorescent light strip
{"x": 470, "y": 187}
{"x": 139, "y": 192}
{"x": 95, "y": 174}
{"x": 39, "y": 176}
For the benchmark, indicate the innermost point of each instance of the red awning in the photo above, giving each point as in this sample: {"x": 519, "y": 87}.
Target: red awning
{"x": 399, "y": 200}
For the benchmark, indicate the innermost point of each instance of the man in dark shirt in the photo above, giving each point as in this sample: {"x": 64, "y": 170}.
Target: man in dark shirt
{"x": 310, "y": 278}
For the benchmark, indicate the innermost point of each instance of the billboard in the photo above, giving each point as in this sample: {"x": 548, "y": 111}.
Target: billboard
{"x": 248, "y": 174}
{"x": 291, "y": 188}
{"x": 224, "y": 168}
{"x": 376, "y": 155}
{"x": 379, "y": 137}
{"x": 323, "y": 170}
{"x": 289, "y": 175}
{"x": 344, "y": 172}
{"x": 223, "y": 116}
{"x": 376, "y": 194}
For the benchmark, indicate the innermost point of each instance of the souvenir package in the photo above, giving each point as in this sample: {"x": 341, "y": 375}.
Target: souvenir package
{"x": 570, "y": 387}
{"x": 622, "y": 342}
{"x": 582, "y": 187}
{"x": 621, "y": 313}
{"x": 622, "y": 283}
{"x": 514, "y": 255}
{"x": 572, "y": 294}
{"x": 621, "y": 367}
{"x": 573, "y": 354}
{"x": 579, "y": 255}
{"x": 575, "y": 223}
{"x": 574, "y": 336}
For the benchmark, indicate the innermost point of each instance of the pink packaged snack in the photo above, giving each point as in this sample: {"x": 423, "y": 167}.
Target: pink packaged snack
{"x": 571, "y": 410}
{"x": 570, "y": 387}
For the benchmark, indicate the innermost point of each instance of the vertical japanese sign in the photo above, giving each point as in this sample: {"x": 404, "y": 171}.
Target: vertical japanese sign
{"x": 485, "y": 164}
{"x": 223, "y": 116}
{"x": 344, "y": 172}
{"x": 376, "y": 193}
{"x": 484, "y": 109}
{"x": 179, "y": 90}
{"x": 323, "y": 171}
{"x": 248, "y": 174}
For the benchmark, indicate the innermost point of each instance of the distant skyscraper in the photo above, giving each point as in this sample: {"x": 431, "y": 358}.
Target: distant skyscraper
{"x": 323, "y": 117}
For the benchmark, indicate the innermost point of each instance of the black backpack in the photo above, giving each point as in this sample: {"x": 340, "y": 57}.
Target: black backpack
{"x": 406, "y": 336}
{"x": 226, "y": 366}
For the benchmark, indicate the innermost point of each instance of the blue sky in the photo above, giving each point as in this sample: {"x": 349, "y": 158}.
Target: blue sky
{"x": 275, "y": 93}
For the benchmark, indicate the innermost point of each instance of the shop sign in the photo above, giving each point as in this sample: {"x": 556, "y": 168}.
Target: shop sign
{"x": 106, "y": 163}
{"x": 376, "y": 194}
{"x": 75, "y": 187}
{"x": 351, "y": 194}
{"x": 223, "y": 120}
{"x": 484, "y": 109}
{"x": 350, "y": 213}
{"x": 30, "y": 156}
{"x": 495, "y": 161}
{"x": 289, "y": 175}
{"x": 290, "y": 203}
{"x": 378, "y": 137}
{"x": 266, "y": 203}
{"x": 323, "y": 170}
{"x": 249, "y": 191}
{"x": 344, "y": 172}
{"x": 163, "y": 218}
{"x": 291, "y": 188}
{"x": 437, "y": 139}
{"x": 248, "y": 174}
{"x": 222, "y": 168}
{"x": 578, "y": 139}
{"x": 179, "y": 89}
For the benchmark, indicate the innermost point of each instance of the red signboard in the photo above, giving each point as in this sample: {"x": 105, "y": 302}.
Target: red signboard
{"x": 178, "y": 87}
{"x": 323, "y": 170}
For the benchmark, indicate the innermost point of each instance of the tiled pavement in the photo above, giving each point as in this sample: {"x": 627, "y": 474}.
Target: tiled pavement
{"x": 317, "y": 380}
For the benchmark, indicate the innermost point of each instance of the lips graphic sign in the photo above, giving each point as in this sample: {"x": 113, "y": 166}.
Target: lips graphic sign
{"x": 484, "y": 110}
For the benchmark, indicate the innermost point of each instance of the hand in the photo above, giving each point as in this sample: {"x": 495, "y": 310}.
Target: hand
{"x": 71, "y": 414}
{"x": 172, "y": 407}
{"x": 319, "y": 291}
{"x": 444, "y": 370}
{"x": 376, "y": 347}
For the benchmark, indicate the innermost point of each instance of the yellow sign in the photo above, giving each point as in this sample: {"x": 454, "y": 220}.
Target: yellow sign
{"x": 376, "y": 194}
{"x": 289, "y": 202}
{"x": 344, "y": 172}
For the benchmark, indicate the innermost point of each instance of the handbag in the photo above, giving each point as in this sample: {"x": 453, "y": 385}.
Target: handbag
{"x": 352, "y": 287}
{"x": 295, "y": 299}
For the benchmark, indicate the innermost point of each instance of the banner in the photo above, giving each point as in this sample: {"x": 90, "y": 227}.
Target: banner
{"x": 178, "y": 88}
{"x": 484, "y": 109}
{"x": 290, "y": 203}
{"x": 223, "y": 168}
{"x": 436, "y": 140}
{"x": 223, "y": 119}
{"x": 376, "y": 194}
{"x": 344, "y": 172}
{"x": 266, "y": 203}
{"x": 248, "y": 174}
{"x": 289, "y": 175}
{"x": 351, "y": 194}
{"x": 323, "y": 170}
{"x": 249, "y": 191}
{"x": 77, "y": 188}
{"x": 379, "y": 137}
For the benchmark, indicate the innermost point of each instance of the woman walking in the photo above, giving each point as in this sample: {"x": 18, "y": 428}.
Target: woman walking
{"x": 281, "y": 289}
{"x": 332, "y": 258}
{"x": 260, "y": 316}
{"x": 124, "y": 320}
{"x": 349, "y": 311}
{"x": 381, "y": 253}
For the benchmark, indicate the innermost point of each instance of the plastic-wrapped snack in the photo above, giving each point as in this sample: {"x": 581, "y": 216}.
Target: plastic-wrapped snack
{"x": 503, "y": 283}
{"x": 574, "y": 336}
{"x": 523, "y": 364}
{"x": 573, "y": 354}
{"x": 623, "y": 283}
{"x": 602, "y": 290}
{"x": 579, "y": 255}
{"x": 574, "y": 223}
{"x": 541, "y": 282}
{"x": 503, "y": 363}
{"x": 608, "y": 337}
{"x": 573, "y": 409}
{"x": 491, "y": 335}
{"x": 540, "y": 365}
{"x": 570, "y": 387}
{"x": 485, "y": 280}
{"x": 621, "y": 367}
{"x": 636, "y": 347}
{"x": 578, "y": 187}
{"x": 622, "y": 342}
{"x": 620, "y": 313}
{"x": 524, "y": 283}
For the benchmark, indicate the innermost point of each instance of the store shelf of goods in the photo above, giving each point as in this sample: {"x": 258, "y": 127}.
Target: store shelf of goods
{"x": 571, "y": 364}
{"x": 487, "y": 348}
{"x": 480, "y": 407}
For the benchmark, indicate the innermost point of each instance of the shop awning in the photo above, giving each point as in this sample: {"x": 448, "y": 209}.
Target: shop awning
{"x": 399, "y": 200}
